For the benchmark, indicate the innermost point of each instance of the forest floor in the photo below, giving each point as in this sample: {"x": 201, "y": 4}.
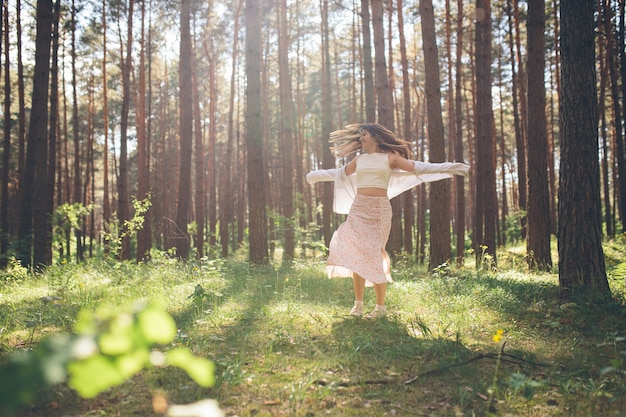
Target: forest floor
{"x": 459, "y": 342}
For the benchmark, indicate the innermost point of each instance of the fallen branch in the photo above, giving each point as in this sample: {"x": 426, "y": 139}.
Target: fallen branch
{"x": 504, "y": 357}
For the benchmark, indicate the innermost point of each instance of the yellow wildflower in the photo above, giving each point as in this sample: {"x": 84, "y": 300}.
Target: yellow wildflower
{"x": 498, "y": 336}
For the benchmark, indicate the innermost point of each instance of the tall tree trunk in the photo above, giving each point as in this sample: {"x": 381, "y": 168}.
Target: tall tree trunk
{"x": 519, "y": 108}
{"x": 440, "y": 239}
{"x": 21, "y": 136}
{"x": 186, "y": 131}
{"x": 450, "y": 103}
{"x": 469, "y": 97}
{"x": 385, "y": 113}
{"x": 161, "y": 173}
{"x": 88, "y": 197}
{"x": 582, "y": 268}
{"x": 271, "y": 189}
{"x": 409, "y": 213}
{"x": 149, "y": 222}
{"x": 287, "y": 132}
{"x": 36, "y": 169}
{"x": 200, "y": 164}
{"x": 106, "y": 198}
{"x": 622, "y": 159}
{"x": 211, "y": 151}
{"x": 6, "y": 148}
{"x": 226, "y": 195}
{"x": 503, "y": 154}
{"x": 383, "y": 91}
{"x": 43, "y": 241}
{"x": 538, "y": 241}
{"x": 604, "y": 133}
{"x": 327, "y": 122}
{"x": 254, "y": 136}
{"x": 368, "y": 72}
{"x": 241, "y": 191}
{"x": 143, "y": 176}
{"x": 486, "y": 199}
{"x": 459, "y": 181}
{"x": 123, "y": 182}
{"x": 422, "y": 197}
{"x": 65, "y": 176}
{"x": 617, "y": 111}
{"x": 77, "y": 194}
{"x": 555, "y": 85}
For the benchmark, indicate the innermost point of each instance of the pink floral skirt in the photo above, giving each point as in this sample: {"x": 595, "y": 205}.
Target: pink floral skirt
{"x": 358, "y": 245}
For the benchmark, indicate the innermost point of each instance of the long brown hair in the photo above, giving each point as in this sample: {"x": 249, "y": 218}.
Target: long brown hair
{"x": 346, "y": 142}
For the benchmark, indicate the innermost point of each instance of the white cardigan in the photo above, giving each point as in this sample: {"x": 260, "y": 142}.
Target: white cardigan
{"x": 400, "y": 181}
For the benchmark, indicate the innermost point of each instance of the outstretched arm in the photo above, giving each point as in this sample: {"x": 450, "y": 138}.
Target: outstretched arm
{"x": 453, "y": 168}
{"x": 398, "y": 162}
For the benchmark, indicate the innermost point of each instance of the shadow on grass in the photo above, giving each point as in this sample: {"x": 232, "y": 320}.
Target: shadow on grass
{"x": 277, "y": 335}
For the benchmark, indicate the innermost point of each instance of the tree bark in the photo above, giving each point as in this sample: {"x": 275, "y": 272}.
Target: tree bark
{"x": 502, "y": 153}
{"x": 42, "y": 253}
{"x": 385, "y": 113}
{"x": 21, "y": 94}
{"x": 368, "y": 72}
{"x": 538, "y": 239}
{"x": 77, "y": 184}
{"x": 519, "y": 101}
{"x": 459, "y": 181}
{"x": 226, "y": 194}
{"x": 6, "y": 148}
{"x": 622, "y": 157}
{"x": 186, "y": 131}
{"x": 106, "y": 198}
{"x": 603, "y": 129}
{"x": 287, "y": 132}
{"x": 486, "y": 199}
{"x": 620, "y": 152}
{"x": 409, "y": 212}
{"x": 123, "y": 193}
{"x": 211, "y": 181}
{"x": 440, "y": 239}
{"x": 582, "y": 270}
{"x": 258, "y": 251}
{"x": 36, "y": 169}
{"x": 144, "y": 234}
{"x": 200, "y": 163}
{"x": 383, "y": 92}
{"x": 327, "y": 123}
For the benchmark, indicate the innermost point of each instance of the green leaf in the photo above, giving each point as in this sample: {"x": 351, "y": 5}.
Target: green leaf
{"x": 529, "y": 392}
{"x": 201, "y": 370}
{"x": 607, "y": 369}
{"x": 521, "y": 382}
{"x": 517, "y": 380}
{"x": 157, "y": 326}
{"x": 132, "y": 362}
{"x": 94, "y": 375}
{"x": 115, "y": 343}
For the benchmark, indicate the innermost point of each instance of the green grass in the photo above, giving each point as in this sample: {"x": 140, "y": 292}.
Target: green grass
{"x": 284, "y": 344}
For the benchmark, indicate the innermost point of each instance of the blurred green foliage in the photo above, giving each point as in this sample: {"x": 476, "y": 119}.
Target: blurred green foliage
{"x": 106, "y": 348}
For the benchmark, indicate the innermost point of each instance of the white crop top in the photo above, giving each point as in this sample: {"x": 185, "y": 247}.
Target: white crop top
{"x": 373, "y": 170}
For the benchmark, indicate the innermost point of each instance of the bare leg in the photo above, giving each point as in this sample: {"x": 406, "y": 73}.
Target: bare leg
{"x": 359, "y": 286}
{"x": 381, "y": 291}
{"x": 380, "y": 310}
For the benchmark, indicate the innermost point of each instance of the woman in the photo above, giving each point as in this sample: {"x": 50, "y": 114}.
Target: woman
{"x": 382, "y": 171}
